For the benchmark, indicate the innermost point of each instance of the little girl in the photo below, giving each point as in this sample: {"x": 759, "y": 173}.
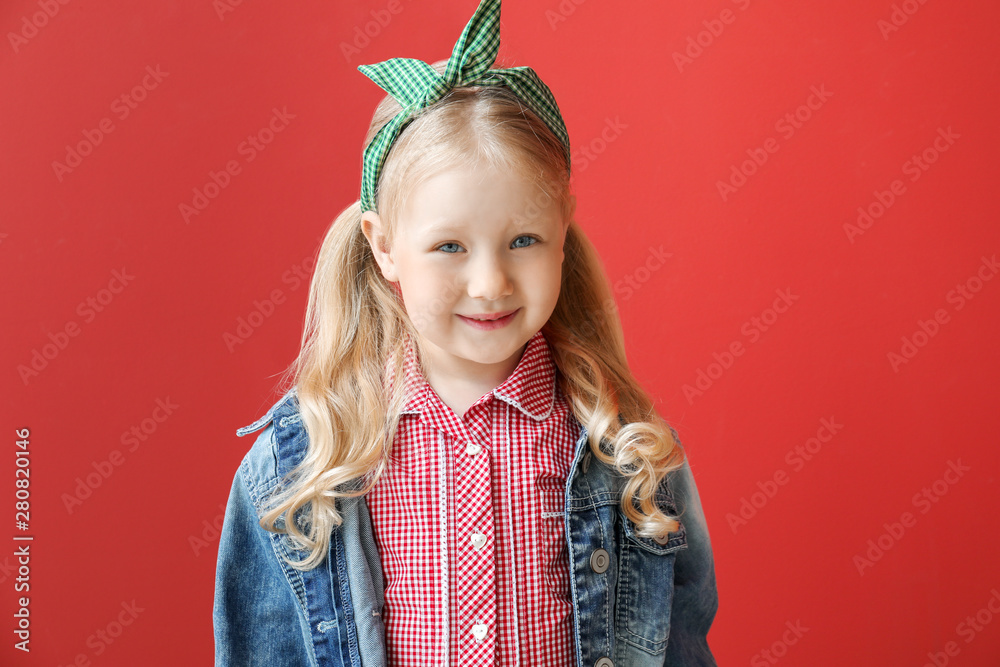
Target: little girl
{"x": 474, "y": 475}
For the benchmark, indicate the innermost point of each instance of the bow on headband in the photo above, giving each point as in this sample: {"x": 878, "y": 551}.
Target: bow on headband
{"x": 416, "y": 85}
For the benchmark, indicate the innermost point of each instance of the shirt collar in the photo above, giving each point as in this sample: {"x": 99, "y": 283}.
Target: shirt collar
{"x": 530, "y": 388}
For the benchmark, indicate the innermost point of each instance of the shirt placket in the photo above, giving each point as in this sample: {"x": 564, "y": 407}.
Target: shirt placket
{"x": 509, "y": 516}
{"x": 476, "y": 543}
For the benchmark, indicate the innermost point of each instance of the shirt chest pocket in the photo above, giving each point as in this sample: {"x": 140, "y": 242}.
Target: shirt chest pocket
{"x": 414, "y": 458}
{"x": 551, "y": 539}
{"x": 646, "y": 584}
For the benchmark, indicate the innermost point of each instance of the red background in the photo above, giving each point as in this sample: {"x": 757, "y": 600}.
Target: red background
{"x": 650, "y": 181}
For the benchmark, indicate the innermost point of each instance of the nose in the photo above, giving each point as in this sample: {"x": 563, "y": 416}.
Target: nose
{"x": 488, "y": 278}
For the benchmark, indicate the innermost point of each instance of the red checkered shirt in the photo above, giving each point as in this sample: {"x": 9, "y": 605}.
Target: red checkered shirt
{"x": 468, "y": 521}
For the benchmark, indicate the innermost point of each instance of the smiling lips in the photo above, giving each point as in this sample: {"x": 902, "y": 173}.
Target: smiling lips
{"x": 490, "y": 316}
{"x": 489, "y": 321}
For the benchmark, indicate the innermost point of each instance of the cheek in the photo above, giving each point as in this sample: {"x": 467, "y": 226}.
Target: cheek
{"x": 549, "y": 275}
{"x": 427, "y": 288}
{"x": 539, "y": 282}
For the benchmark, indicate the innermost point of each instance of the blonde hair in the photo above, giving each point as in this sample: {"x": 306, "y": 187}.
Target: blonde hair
{"x": 356, "y": 323}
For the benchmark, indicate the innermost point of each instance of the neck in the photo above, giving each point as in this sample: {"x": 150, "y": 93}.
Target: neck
{"x": 460, "y": 382}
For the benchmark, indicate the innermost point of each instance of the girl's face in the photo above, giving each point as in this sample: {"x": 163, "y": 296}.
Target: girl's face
{"x": 474, "y": 244}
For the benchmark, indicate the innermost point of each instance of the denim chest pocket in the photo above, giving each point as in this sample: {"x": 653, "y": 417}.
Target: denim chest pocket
{"x": 646, "y": 584}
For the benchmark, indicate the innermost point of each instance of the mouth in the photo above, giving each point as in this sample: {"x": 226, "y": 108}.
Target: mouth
{"x": 490, "y": 317}
{"x": 490, "y": 321}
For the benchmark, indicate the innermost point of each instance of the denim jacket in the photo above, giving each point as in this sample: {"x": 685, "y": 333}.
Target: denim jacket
{"x": 637, "y": 601}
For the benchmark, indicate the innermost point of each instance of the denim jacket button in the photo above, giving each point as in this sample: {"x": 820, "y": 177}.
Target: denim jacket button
{"x": 599, "y": 562}
{"x": 661, "y": 540}
{"x": 604, "y": 662}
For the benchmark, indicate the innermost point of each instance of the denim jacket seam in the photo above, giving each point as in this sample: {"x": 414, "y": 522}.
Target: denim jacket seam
{"x": 593, "y": 501}
{"x": 590, "y": 503}
{"x": 257, "y": 490}
{"x": 608, "y": 629}
{"x": 345, "y": 592}
{"x": 623, "y": 607}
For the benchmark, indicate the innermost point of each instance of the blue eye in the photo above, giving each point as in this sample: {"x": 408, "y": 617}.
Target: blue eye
{"x": 532, "y": 241}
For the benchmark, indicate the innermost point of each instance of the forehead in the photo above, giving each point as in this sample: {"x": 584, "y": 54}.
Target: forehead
{"x": 475, "y": 196}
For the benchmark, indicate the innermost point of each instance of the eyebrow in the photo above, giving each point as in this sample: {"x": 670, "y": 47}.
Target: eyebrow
{"x": 446, "y": 227}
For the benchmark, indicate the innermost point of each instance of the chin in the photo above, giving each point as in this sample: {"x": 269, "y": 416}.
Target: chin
{"x": 493, "y": 354}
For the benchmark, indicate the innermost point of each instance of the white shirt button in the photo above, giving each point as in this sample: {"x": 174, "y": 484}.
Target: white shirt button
{"x": 478, "y": 540}
{"x": 479, "y": 631}
{"x": 472, "y": 449}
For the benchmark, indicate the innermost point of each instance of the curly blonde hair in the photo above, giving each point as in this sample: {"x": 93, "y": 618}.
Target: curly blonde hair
{"x": 356, "y": 323}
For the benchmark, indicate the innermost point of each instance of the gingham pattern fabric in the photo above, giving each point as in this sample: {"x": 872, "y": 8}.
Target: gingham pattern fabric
{"x": 416, "y": 85}
{"x": 468, "y": 521}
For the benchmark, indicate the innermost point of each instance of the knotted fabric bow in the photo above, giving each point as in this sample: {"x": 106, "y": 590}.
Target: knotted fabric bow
{"x": 416, "y": 85}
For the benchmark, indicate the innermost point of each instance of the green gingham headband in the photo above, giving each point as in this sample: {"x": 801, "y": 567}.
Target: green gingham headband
{"x": 416, "y": 85}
